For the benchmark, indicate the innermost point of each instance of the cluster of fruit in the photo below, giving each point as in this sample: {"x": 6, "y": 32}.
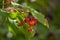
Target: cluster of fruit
{"x": 31, "y": 22}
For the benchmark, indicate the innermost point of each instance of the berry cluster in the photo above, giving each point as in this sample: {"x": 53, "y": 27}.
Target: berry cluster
{"x": 31, "y": 22}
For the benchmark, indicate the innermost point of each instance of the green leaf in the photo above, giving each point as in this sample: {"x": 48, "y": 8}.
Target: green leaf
{"x": 14, "y": 27}
{"x": 3, "y": 17}
{"x": 43, "y": 30}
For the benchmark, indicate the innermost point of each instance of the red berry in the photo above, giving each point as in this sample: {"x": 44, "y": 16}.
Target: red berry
{"x": 21, "y": 24}
{"x": 31, "y": 21}
{"x": 29, "y": 30}
{"x": 27, "y": 21}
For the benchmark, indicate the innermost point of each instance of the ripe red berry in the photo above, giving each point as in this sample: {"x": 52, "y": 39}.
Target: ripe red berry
{"x": 31, "y": 21}
{"x": 21, "y": 24}
{"x": 29, "y": 30}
